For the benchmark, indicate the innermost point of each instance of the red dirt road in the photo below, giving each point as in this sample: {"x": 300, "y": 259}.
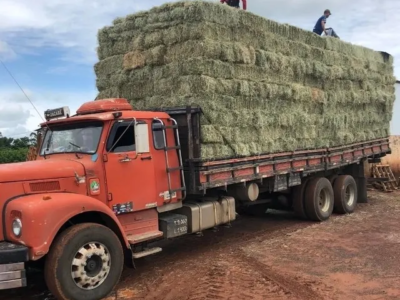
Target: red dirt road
{"x": 276, "y": 257}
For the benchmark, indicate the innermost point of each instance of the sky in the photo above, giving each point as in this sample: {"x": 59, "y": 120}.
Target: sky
{"x": 50, "y": 46}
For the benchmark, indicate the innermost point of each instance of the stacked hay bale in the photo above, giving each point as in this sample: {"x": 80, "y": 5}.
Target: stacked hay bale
{"x": 264, "y": 87}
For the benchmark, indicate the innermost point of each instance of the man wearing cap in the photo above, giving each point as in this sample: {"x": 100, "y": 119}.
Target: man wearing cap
{"x": 320, "y": 25}
{"x": 235, "y": 3}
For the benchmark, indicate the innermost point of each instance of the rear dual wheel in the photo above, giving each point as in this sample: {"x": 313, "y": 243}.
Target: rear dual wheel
{"x": 345, "y": 190}
{"x": 313, "y": 199}
{"x": 298, "y": 196}
{"x": 332, "y": 178}
{"x": 319, "y": 199}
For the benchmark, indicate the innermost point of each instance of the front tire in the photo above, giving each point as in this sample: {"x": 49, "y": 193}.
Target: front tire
{"x": 319, "y": 200}
{"x": 85, "y": 262}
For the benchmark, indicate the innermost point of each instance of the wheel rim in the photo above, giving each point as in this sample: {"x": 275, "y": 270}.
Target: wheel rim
{"x": 350, "y": 195}
{"x": 324, "y": 200}
{"x": 91, "y": 265}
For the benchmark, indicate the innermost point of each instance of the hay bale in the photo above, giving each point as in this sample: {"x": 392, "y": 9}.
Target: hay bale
{"x": 109, "y": 65}
{"x": 264, "y": 87}
{"x": 134, "y": 60}
{"x": 211, "y": 135}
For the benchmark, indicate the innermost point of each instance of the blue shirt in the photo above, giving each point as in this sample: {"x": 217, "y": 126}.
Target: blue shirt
{"x": 318, "y": 27}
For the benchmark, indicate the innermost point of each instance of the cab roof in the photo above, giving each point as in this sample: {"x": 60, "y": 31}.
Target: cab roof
{"x": 105, "y": 109}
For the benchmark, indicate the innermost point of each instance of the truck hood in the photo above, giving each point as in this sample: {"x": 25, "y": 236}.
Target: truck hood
{"x": 40, "y": 170}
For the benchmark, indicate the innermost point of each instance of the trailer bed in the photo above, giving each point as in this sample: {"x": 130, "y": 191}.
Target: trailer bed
{"x": 283, "y": 170}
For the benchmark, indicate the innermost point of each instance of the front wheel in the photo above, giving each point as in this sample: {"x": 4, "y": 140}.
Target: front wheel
{"x": 84, "y": 262}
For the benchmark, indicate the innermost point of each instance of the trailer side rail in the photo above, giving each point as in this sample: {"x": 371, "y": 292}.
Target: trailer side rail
{"x": 222, "y": 173}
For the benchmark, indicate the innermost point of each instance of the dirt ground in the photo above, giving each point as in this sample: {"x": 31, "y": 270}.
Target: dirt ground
{"x": 274, "y": 257}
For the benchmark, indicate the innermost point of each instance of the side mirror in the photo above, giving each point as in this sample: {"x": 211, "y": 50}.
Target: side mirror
{"x": 142, "y": 138}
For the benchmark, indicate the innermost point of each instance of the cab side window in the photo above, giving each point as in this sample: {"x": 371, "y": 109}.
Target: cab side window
{"x": 122, "y": 137}
{"x": 158, "y": 135}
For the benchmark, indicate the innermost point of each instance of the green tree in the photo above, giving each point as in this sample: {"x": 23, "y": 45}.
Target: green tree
{"x": 21, "y": 143}
{"x": 15, "y": 150}
{"x": 6, "y": 142}
{"x": 13, "y": 155}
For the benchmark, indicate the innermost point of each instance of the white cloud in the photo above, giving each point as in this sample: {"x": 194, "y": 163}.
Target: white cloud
{"x": 68, "y": 24}
{"x": 18, "y": 117}
{"x": 15, "y": 132}
{"x": 12, "y": 115}
{"x": 6, "y": 53}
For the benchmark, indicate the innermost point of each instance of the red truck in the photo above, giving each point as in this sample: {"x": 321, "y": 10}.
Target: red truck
{"x": 110, "y": 180}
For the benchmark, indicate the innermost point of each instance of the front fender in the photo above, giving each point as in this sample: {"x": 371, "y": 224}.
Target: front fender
{"x": 43, "y": 215}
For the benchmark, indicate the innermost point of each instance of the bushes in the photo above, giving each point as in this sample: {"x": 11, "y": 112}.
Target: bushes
{"x": 11, "y": 155}
{"x": 15, "y": 150}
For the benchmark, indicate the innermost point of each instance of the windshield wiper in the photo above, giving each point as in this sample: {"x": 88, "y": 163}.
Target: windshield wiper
{"x": 79, "y": 147}
{"x": 48, "y": 144}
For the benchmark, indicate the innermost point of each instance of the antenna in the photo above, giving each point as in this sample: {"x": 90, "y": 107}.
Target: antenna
{"x": 8, "y": 71}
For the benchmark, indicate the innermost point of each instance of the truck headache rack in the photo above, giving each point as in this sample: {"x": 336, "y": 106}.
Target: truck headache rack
{"x": 177, "y": 148}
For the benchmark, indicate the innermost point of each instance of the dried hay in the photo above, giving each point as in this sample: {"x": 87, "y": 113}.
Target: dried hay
{"x": 264, "y": 87}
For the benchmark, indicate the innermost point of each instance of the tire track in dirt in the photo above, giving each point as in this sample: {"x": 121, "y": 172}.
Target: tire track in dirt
{"x": 211, "y": 285}
{"x": 291, "y": 285}
{"x": 227, "y": 279}
{"x": 219, "y": 274}
{"x": 233, "y": 276}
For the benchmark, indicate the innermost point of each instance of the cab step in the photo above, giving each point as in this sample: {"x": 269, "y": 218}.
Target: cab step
{"x": 146, "y": 252}
{"x": 139, "y": 238}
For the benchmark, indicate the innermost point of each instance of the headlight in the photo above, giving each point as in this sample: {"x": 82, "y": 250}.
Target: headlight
{"x": 17, "y": 227}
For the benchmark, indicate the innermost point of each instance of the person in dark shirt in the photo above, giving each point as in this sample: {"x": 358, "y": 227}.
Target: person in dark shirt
{"x": 319, "y": 27}
{"x": 235, "y": 3}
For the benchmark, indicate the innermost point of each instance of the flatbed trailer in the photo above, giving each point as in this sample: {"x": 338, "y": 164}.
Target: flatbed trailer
{"x": 280, "y": 171}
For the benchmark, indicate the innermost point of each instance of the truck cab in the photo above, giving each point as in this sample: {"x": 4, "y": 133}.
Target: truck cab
{"x": 124, "y": 153}
{"x": 109, "y": 169}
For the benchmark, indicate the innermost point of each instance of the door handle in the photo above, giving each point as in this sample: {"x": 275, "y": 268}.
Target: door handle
{"x": 126, "y": 159}
{"x": 146, "y": 158}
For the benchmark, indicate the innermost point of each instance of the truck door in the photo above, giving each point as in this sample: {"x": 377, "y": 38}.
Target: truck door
{"x": 130, "y": 176}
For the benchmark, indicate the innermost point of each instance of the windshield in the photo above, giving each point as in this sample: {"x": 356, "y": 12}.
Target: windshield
{"x": 72, "y": 138}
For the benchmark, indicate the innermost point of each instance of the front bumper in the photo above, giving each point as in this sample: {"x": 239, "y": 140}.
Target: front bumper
{"x": 12, "y": 265}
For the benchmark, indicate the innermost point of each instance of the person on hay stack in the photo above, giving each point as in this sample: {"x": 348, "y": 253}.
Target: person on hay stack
{"x": 319, "y": 27}
{"x": 235, "y": 3}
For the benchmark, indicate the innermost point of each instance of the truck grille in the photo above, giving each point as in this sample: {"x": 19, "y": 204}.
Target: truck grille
{"x": 45, "y": 186}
